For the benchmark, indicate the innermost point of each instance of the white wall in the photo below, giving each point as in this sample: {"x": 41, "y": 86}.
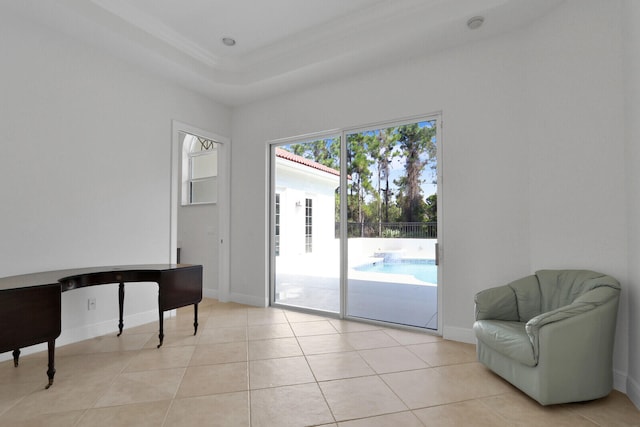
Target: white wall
{"x": 631, "y": 31}
{"x": 533, "y": 155}
{"x": 574, "y": 93}
{"x": 85, "y": 166}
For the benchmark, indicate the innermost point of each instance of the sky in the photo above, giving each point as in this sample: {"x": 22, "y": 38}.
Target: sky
{"x": 397, "y": 165}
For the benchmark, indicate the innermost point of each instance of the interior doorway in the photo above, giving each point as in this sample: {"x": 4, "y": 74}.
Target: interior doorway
{"x": 200, "y": 205}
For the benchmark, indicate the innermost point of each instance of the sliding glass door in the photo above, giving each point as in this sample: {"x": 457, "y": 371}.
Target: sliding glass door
{"x": 392, "y": 274}
{"x": 375, "y": 258}
{"x": 305, "y": 243}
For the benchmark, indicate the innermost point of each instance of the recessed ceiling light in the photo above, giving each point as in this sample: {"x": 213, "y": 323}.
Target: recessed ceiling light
{"x": 228, "y": 41}
{"x": 475, "y": 22}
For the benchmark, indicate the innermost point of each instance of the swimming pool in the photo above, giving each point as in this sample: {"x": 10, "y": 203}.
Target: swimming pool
{"x": 424, "y": 270}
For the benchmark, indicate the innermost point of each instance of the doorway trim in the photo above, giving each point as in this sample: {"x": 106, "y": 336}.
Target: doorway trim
{"x": 224, "y": 150}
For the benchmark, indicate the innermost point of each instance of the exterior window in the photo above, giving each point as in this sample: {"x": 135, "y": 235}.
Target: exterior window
{"x": 200, "y": 170}
{"x": 277, "y": 219}
{"x": 308, "y": 226}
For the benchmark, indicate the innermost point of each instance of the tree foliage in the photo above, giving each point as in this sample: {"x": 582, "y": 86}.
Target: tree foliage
{"x": 414, "y": 141}
{"x": 373, "y": 196}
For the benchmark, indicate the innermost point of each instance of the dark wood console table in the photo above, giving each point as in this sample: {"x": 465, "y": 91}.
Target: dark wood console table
{"x": 30, "y": 304}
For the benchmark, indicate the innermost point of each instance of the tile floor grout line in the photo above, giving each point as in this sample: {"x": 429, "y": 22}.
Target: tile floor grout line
{"x": 317, "y": 383}
{"x": 248, "y": 372}
{"x": 84, "y": 414}
{"x": 393, "y": 391}
{"x": 493, "y": 411}
{"x": 408, "y": 410}
{"x": 34, "y": 389}
{"x": 111, "y": 383}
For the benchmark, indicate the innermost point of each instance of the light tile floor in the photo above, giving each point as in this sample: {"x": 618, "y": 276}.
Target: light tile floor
{"x": 268, "y": 367}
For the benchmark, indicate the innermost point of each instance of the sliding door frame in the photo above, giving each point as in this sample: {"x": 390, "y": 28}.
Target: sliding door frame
{"x": 344, "y": 241}
{"x": 344, "y": 262}
{"x": 272, "y": 217}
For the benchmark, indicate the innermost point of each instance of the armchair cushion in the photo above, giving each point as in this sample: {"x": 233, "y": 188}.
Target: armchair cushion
{"x": 507, "y": 338}
{"x": 518, "y": 300}
{"x": 496, "y": 303}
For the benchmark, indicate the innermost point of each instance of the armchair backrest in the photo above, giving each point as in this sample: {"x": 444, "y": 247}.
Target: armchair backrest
{"x": 561, "y": 287}
{"x": 527, "y": 292}
{"x": 551, "y": 289}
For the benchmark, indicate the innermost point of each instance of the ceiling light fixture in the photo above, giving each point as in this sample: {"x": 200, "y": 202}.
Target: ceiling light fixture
{"x": 228, "y": 41}
{"x": 475, "y": 22}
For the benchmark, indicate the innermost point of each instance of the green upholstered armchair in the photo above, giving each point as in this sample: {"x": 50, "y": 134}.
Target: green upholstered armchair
{"x": 551, "y": 334}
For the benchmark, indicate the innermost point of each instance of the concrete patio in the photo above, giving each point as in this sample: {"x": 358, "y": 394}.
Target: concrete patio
{"x": 312, "y": 281}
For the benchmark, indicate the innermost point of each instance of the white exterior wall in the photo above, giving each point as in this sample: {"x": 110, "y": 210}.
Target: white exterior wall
{"x": 295, "y": 183}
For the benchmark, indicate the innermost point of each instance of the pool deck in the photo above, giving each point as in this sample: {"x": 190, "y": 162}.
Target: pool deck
{"x": 396, "y": 298}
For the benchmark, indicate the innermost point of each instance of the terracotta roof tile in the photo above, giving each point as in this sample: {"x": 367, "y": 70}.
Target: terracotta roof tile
{"x": 284, "y": 154}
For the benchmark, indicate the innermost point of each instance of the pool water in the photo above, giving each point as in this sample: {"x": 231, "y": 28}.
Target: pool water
{"x": 425, "y": 270}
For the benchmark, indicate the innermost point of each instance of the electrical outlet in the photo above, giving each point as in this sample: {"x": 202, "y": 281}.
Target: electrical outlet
{"x": 91, "y": 304}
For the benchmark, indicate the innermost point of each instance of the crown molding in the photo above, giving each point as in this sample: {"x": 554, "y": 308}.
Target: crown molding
{"x": 135, "y": 17}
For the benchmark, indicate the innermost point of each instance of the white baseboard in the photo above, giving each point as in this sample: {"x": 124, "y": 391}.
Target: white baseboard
{"x": 210, "y": 293}
{"x": 454, "y": 333}
{"x": 620, "y": 380}
{"x": 70, "y": 336}
{"x": 249, "y": 300}
{"x": 237, "y": 298}
{"x": 633, "y": 391}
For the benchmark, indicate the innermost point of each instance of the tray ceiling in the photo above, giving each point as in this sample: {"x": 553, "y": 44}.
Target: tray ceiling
{"x": 280, "y": 44}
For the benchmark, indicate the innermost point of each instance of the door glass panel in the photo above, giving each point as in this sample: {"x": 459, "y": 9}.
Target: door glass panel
{"x": 305, "y": 239}
{"x": 392, "y": 224}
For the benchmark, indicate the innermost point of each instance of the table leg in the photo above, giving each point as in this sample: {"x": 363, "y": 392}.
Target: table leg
{"x": 121, "y": 306}
{"x": 52, "y": 370}
{"x": 195, "y": 319}
{"x": 161, "y": 319}
{"x": 16, "y": 356}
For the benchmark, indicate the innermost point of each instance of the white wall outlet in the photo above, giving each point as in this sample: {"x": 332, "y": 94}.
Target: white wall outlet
{"x": 91, "y": 304}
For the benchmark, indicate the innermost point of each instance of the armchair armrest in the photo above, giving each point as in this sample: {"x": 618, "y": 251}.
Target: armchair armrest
{"x": 583, "y": 304}
{"x": 497, "y": 303}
